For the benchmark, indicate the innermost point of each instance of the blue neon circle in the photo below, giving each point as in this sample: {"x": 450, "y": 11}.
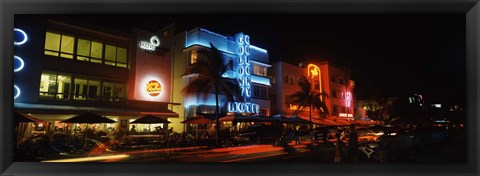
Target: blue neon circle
{"x": 16, "y": 91}
{"x": 16, "y": 61}
{"x": 247, "y": 39}
{"x": 19, "y": 37}
{"x": 247, "y": 70}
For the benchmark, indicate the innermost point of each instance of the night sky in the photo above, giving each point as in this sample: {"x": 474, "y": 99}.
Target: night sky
{"x": 388, "y": 54}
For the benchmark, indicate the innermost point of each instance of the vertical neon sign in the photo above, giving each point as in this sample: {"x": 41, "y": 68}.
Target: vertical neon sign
{"x": 348, "y": 98}
{"x": 314, "y": 71}
{"x": 243, "y": 69}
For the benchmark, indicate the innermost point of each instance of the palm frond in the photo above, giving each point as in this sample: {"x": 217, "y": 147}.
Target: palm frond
{"x": 199, "y": 85}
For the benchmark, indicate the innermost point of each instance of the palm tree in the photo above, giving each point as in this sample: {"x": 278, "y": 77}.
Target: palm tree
{"x": 307, "y": 97}
{"x": 209, "y": 70}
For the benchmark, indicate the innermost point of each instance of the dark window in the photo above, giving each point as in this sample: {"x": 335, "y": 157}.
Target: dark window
{"x": 334, "y": 94}
{"x": 335, "y": 110}
{"x": 333, "y": 79}
{"x": 260, "y": 92}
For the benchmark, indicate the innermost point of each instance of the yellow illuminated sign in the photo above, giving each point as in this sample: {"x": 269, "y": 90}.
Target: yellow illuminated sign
{"x": 154, "y": 88}
{"x": 313, "y": 72}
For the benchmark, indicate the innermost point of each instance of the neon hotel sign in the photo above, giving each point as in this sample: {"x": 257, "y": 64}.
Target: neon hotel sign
{"x": 243, "y": 107}
{"x": 244, "y": 79}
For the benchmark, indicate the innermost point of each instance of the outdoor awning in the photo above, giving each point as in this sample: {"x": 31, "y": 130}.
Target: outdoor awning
{"x": 106, "y": 111}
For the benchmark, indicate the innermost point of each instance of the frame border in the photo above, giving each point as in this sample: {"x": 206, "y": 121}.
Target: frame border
{"x": 9, "y": 8}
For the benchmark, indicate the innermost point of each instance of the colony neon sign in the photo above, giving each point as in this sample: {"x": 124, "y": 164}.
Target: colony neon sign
{"x": 242, "y": 107}
{"x": 150, "y": 45}
{"x": 154, "y": 88}
{"x": 243, "y": 69}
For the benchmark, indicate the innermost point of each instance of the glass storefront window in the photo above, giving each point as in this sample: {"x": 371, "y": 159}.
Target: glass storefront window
{"x": 53, "y": 85}
{"x": 80, "y": 89}
{"x": 64, "y": 87}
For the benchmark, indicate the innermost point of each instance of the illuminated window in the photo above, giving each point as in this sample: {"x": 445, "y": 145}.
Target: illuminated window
{"x": 193, "y": 57}
{"x": 59, "y": 45}
{"x": 86, "y": 89}
{"x": 207, "y": 109}
{"x": 96, "y": 52}
{"x": 113, "y": 91}
{"x": 259, "y": 70}
{"x": 59, "y": 86}
{"x": 55, "y": 86}
{"x": 115, "y": 56}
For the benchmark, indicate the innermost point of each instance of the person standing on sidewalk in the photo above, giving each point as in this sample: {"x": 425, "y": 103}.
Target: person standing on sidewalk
{"x": 353, "y": 144}
{"x": 338, "y": 147}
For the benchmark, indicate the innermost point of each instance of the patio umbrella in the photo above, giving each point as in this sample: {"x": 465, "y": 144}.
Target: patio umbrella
{"x": 341, "y": 122}
{"x": 328, "y": 122}
{"x": 281, "y": 118}
{"x": 88, "y": 118}
{"x": 20, "y": 117}
{"x": 296, "y": 119}
{"x": 150, "y": 119}
{"x": 197, "y": 120}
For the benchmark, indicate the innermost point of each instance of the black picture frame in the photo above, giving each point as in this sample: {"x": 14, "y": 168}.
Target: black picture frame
{"x": 8, "y": 9}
